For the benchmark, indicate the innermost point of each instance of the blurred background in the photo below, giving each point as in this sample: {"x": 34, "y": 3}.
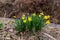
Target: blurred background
{"x": 10, "y": 8}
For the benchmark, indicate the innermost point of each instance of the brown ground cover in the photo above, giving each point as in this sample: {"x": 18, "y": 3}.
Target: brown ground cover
{"x": 9, "y": 8}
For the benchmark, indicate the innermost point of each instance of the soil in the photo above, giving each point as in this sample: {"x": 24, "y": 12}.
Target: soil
{"x": 8, "y": 32}
{"x": 10, "y": 8}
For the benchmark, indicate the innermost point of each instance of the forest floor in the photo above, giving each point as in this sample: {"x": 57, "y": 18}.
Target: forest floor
{"x": 8, "y": 32}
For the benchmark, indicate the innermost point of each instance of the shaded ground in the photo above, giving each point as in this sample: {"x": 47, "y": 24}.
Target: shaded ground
{"x": 8, "y": 32}
{"x": 9, "y": 8}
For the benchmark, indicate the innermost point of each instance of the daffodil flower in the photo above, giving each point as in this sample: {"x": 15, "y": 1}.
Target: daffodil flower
{"x": 46, "y": 17}
{"x": 24, "y": 21}
{"x": 14, "y": 16}
{"x": 29, "y": 19}
{"x": 48, "y": 22}
{"x": 23, "y": 17}
{"x": 41, "y": 13}
{"x": 34, "y": 14}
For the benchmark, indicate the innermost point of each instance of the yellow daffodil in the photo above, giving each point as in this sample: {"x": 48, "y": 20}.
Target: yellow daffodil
{"x": 34, "y": 14}
{"x": 48, "y": 22}
{"x": 24, "y": 21}
{"x": 23, "y": 17}
{"x": 46, "y": 17}
{"x": 41, "y": 13}
{"x": 29, "y": 19}
{"x": 14, "y": 16}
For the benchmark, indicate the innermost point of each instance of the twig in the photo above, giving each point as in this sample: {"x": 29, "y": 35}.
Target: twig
{"x": 49, "y": 35}
{"x": 5, "y": 16}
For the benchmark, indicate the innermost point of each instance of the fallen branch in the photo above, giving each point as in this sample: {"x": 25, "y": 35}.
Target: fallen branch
{"x": 49, "y": 35}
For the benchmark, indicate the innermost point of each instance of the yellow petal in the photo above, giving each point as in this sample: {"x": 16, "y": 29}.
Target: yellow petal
{"x": 29, "y": 19}
{"x": 23, "y": 17}
{"x": 14, "y": 16}
{"x": 41, "y": 13}
{"x": 48, "y": 16}
{"x": 48, "y": 22}
{"x": 45, "y": 17}
{"x": 34, "y": 14}
{"x": 24, "y": 21}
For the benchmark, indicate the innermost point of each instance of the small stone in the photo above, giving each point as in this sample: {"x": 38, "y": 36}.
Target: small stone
{"x": 10, "y": 30}
{"x": 8, "y": 38}
{"x": 8, "y": 35}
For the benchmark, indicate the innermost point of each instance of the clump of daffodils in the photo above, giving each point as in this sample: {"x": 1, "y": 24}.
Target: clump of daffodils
{"x": 33, "y": 22}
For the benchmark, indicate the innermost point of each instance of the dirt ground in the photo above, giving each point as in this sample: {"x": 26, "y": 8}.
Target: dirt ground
{"x": 8, "y": 32}
{"x": 10, "y": 8}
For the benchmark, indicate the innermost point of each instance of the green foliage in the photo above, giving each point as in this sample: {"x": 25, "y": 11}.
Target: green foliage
{"x": 20, "y": 26}
{"x": 31, "y": 23}
{"x": 1, "y": 25}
